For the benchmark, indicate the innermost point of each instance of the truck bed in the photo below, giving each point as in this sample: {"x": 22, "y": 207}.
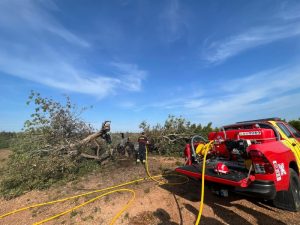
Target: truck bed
{"x": 236, "y": 177}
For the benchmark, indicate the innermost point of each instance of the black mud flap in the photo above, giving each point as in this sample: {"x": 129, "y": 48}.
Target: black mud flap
{"x": 284, "y": 200}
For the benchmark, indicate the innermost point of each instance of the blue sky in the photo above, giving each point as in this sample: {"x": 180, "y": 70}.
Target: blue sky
{"x": 219, "y": 61}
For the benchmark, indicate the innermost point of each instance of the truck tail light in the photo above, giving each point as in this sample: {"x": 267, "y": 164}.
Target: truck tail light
{"x": 188, "y": 154}
{"x": 261, "y": 163}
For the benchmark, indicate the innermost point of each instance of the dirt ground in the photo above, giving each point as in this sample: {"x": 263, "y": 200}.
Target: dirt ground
{"x": 154, "y": 204}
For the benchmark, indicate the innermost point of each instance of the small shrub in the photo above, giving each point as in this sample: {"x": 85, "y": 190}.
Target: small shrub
{"x": 147, "y": 190}
{"x": 126, "y": 216}
{"x": 96, "y": 209}
{"x": 73, "y": 214}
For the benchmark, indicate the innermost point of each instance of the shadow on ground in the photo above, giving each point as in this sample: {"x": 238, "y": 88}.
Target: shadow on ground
{"x": 228, "y": 209}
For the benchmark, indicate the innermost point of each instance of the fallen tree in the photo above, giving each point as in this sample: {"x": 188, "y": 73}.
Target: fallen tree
{"x": 58, "y": 129}
{"x": 55, "y": 145}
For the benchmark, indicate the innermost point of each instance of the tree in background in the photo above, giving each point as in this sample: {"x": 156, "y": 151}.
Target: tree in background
{"x": 6, "y": 138}
{"x": 295, "y": 123}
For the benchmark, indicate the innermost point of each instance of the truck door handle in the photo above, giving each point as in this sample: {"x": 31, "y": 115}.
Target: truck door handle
{"x": 294, "y": 144}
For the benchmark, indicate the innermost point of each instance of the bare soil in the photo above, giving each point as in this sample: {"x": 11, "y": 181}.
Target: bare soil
{"x": 154, "y": 204}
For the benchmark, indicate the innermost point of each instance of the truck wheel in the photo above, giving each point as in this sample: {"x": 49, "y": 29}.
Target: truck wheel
{"x": 295, "y": 189}
{"x": 289, "y": 199}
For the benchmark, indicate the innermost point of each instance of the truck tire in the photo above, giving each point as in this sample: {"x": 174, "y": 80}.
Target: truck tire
{"x": 289, "y": 199}
{"x": 294, "y": 189}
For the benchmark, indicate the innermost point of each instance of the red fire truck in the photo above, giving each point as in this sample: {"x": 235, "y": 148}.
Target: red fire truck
{"x": 259, "y": 158}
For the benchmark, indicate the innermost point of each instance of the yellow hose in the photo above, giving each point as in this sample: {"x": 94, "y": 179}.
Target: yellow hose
{"x": 98, "y": 197}
{"x": 161, "y": 182}
{"x": 90, "y": 201}
{"x": 207, "y": 147}
{"x": 72, "y": 197}
{"x": 147, "y": 169}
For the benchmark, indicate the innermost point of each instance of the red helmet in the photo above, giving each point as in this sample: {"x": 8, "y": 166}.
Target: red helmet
{"x": 221, "y": 168}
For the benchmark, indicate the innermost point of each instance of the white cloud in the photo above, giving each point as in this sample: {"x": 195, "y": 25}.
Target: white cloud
{"x": 220, "y": 51}
{"x": 31, "y": 17}
{"x": 64, "y": 75}
{"x": 259, "y": 95}
{"x": 131, "y": 75}
{"x": 264, "y": 94}
{"x": 37, "y": 47}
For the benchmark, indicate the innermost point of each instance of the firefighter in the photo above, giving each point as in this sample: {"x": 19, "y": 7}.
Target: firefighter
{"x": 121, "y": 146}
{"x": 105, "y": 134}
{"x": 143, "y": 141}
{"x": 129, "y": 147}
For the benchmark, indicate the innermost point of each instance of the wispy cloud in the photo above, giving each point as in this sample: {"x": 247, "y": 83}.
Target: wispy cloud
{"x": 172, "y": 24}
{"x": 37, "y": 47}
{"x": 131, "y": 75}
{"x": 50, "y": 71}
{"x": 32, "y": 17}
{"x": 220, "y": 51}
{"x": 264, "y": 94}
{"x": 282, "y": 24}
{"x": 289, "y": 11}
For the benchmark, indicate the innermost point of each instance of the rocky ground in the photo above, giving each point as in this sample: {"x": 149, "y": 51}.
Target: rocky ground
{"x": 154, "y": 204}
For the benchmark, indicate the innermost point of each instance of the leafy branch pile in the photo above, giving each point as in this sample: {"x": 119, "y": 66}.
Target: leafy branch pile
{"x": 171, "y": 137}
{"x": 50, "y": 147}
